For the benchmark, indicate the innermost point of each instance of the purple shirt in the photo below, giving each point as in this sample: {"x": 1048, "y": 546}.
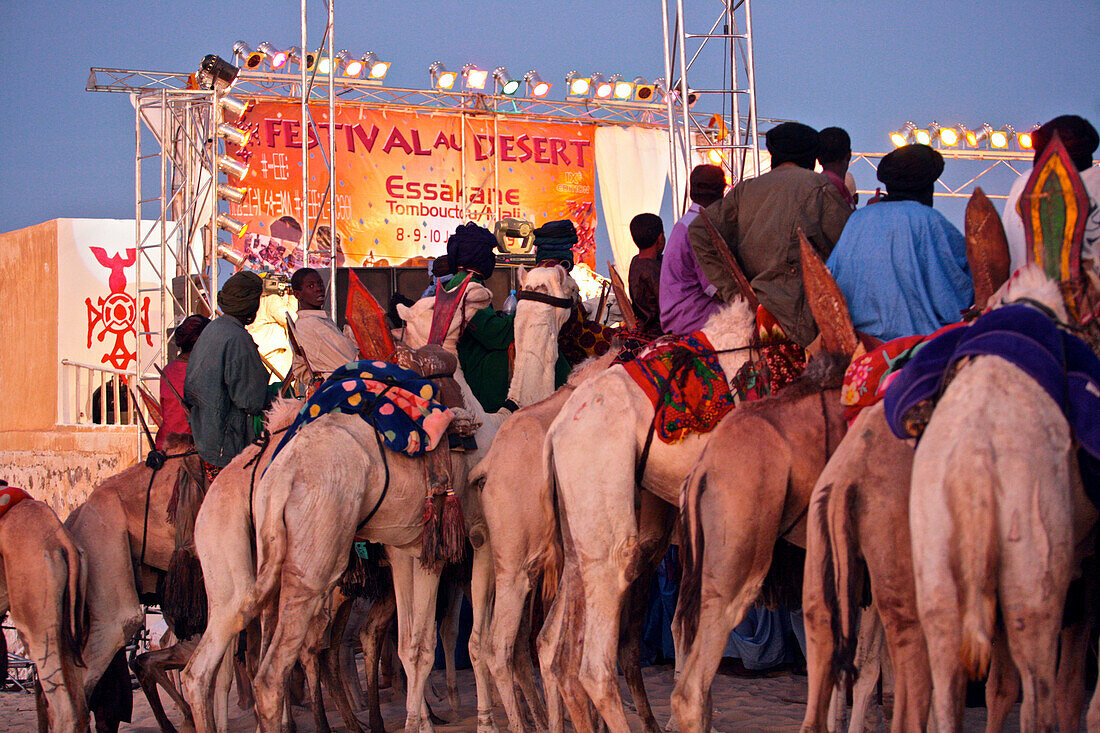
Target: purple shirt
{"x": 687, "y": 297}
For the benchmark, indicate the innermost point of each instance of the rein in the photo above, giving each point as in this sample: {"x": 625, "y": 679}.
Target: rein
{"x": 155, "y": 460}
{"x": 545, "y": 298}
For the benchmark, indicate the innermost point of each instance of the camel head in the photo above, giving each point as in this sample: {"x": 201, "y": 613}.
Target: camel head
{"x": 1031, "y": 283}
{"x": 536, "y": 329}
{"x": 553, "y": 281}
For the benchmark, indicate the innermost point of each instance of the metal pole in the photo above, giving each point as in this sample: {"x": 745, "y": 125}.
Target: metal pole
{"x": 331, "y": 161}
{"x": 689, "y": 138}
{"x": 305, "y": 141}
{"x": 735, "y": 103}
{"x": 752, "y": 89}
{"x": 673, "y": 172}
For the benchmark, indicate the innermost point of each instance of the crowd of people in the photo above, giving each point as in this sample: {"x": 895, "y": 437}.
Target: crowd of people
{"x": 901, "y": 265}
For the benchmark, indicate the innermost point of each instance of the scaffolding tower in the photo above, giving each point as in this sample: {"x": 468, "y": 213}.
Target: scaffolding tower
{"x": 728, "y": 141}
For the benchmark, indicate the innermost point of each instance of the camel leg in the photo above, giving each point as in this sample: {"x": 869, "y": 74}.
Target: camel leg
{"x": 630, "y": 648}
{"x": 509, "y": 604}
{"x": 869, "y": 651}
{"x": 349, "y": 674}
{"x": 310, "y": 659}
{"x": 223, "y": 680}
{"x": 559, "y": 654}
{"x": 817, "y": 621}
{"x": 909, "y": 657}
{"x": 415, "y": 590}
{"x": 525, "y": 673}
{"x": 330, "y": 667}
{"x": 1071, "y": 675}
{"x": 448, "y": 635}
{"x": 151, "y": 670}
{"x": 374, "y": 632}
{"x": 1033, "y": 641}
{"x": 482, "y": 639}
{"x": 941, "y": 631}
{"x": 1003, "y": 685}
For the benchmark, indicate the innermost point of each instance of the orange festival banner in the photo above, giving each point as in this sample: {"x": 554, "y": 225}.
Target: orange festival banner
{"x": 405, "y": 180}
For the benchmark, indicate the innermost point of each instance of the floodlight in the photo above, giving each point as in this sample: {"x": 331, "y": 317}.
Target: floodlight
{"x": 232, "y": 194}
{"x": 508, "y": 85}
{"x": 715, "y": 156}
{"x": 232, "y": 167}
{"x": 473, "y": 77}
{"x": 376, "y": 68}
{"x": 234, "y": 135}
{"x": 999, "y": 139}
{"x": 620, "y": 88}
{"x": 949, "y": 136}
{"x": 348, "y": 64}
{"x": 233, "y": 107}
{"x": 324, "y": 66}
{"x": 922, "y": 136}
{"x": 235, "y": 258}
{"x": 643, "y": 90}
{"x": 602, "y": 86}
{"x": 276, "y": 59}
{"x": 660, "y": 87}
{"x": 231, "y": 225}
{"x": 577, "y": 85}
{"x": 243, "y": 52}
{"x": 1024, "y": 139}
{"x": 536, "y": 87}
{"x": 441, "y": 78}
{"x": 215, "y": 73}
{"x": 295, "y": 56}
{"x": 901, "y": 137}
{"x": 975, "y": 136}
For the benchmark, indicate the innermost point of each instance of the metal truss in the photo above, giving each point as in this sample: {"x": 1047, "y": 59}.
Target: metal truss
{"x": 988, "y": 164}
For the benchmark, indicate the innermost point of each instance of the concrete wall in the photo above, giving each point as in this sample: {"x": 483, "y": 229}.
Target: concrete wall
{"x": 59, "y": 464}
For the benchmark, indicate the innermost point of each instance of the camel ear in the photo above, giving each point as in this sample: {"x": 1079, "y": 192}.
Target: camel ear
{"x": 404, "y": 311}
{"x": 521, "y": 275}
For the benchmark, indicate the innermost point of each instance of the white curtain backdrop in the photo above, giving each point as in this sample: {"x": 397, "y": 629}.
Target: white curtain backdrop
{"x": 632, "y": 166}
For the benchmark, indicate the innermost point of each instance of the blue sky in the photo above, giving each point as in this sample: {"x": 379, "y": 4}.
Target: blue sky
{"x": 866, "y": 66}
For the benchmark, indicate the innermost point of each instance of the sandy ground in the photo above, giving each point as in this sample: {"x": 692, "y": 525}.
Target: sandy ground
{"x": 744, "y": 705}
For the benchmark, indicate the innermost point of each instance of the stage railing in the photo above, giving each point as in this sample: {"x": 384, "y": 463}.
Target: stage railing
{"x": 94, "y": 395}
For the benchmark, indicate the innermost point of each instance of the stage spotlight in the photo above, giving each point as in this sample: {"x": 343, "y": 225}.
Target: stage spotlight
{"x": 714, "y": 155}
{"x": 473, "y": 77}
{"x": 922, "y": 137}
{"x": 620, "y": 88}
{"x": 948, "y": 136}
{"x": 999, "y": 139}
{"x": 244, "y": 53}
{"x": 294, "y": 56}
{"x": 231, "y": 225}
{"x": 324, "y": 66}
{"x": 376, "y": 68}
{"x": 234, "y": 135}
{"x": 276, "y": 59}
{"x": 975, "y": 136}
{"x": 348, "y": 64}
{"x": 233, "y": 107}
{"x": 232, "y": 167}
{"x": 660, "y": 87}
{"x": 232, "y": 194}
{"x": 216, "y": 73}
{"x": 536, "y": 87}
{"x": 232, "y": 256}
{"x": 508, "y": 85}
{"x": 901, "y": 137}
{"x": 643, "y": 90}
{"x": 577, "y": 85}
{"x": 1024, "y": 139}
{"x": 441, "y": 78}
{"x": 601, "y": 86}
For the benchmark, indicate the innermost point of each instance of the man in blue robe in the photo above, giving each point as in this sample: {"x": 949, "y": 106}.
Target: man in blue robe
{"x": 900, "y": 263}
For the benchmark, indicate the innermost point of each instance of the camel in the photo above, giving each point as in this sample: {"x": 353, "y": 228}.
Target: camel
{"x": 42, "y": 584}
{"x": 598, "y": 498}
{"x": 997, "y": 458}
{"x": 287, "y": 500}
{"x": 749, "y": 489}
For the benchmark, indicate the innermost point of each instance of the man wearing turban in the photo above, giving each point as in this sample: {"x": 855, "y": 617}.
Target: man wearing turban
{"x": 226, "y": 382}
{"x": 759, "y": 220}
{"x": 1081, "y": 141}
{"x": 900, "y": 263}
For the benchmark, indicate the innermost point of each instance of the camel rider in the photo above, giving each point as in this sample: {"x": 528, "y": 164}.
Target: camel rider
{"x": 580, "y": 338}
{"x": 226, "y": 383}
{"x": 326, "y": 348}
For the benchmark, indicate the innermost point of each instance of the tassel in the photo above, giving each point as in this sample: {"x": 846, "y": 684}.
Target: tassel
{"x": 453, "y": 530}
{"x": 432, "y": 537}
{"x": 184, "y": 598}
{"x": 362, "y": 578}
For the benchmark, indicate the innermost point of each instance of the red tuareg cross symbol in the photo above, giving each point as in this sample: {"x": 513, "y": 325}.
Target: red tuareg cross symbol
{"x": 117, "y": 313}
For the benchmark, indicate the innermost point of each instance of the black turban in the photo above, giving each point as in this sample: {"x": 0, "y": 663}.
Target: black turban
{"x": 471, "y": 248}
{"x": 706, "y": 184}
{"x": 187, "y": 333}
{"x": 1076, "y": 133}
{"x": 554, "y": 241}
{"x": 792, "y": 142}
{"x": 439, "y": 267}
{"x": 240, "y": 296}
{"x": 910, "y": 172}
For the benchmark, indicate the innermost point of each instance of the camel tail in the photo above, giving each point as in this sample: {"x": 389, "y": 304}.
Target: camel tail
{"x": 74, "y": 609}
{"x": 550, "y": 558}
{"x": 837, "y": 513}
{"x": 692, "y": 547}
{"x": 271, "y": 539}
{"x": 971, "y": 498}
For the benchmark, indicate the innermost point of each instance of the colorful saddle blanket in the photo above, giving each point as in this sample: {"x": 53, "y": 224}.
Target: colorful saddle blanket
{"x": 686, "y": 384}
{"x": 400, "y": 404}
{"x": 775, "y": 361}
{"x": 868, "y": 376}
{"x": 9, "y": 497}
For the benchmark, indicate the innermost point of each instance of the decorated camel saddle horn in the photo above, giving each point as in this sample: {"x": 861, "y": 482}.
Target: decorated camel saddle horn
{"x": 827, "y": 303}
{"x": 1054, "y": 207}
{"x": 986, "y": 248}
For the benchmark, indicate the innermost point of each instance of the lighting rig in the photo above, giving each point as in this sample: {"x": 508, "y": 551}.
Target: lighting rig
{"x": 983, "y": 136}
